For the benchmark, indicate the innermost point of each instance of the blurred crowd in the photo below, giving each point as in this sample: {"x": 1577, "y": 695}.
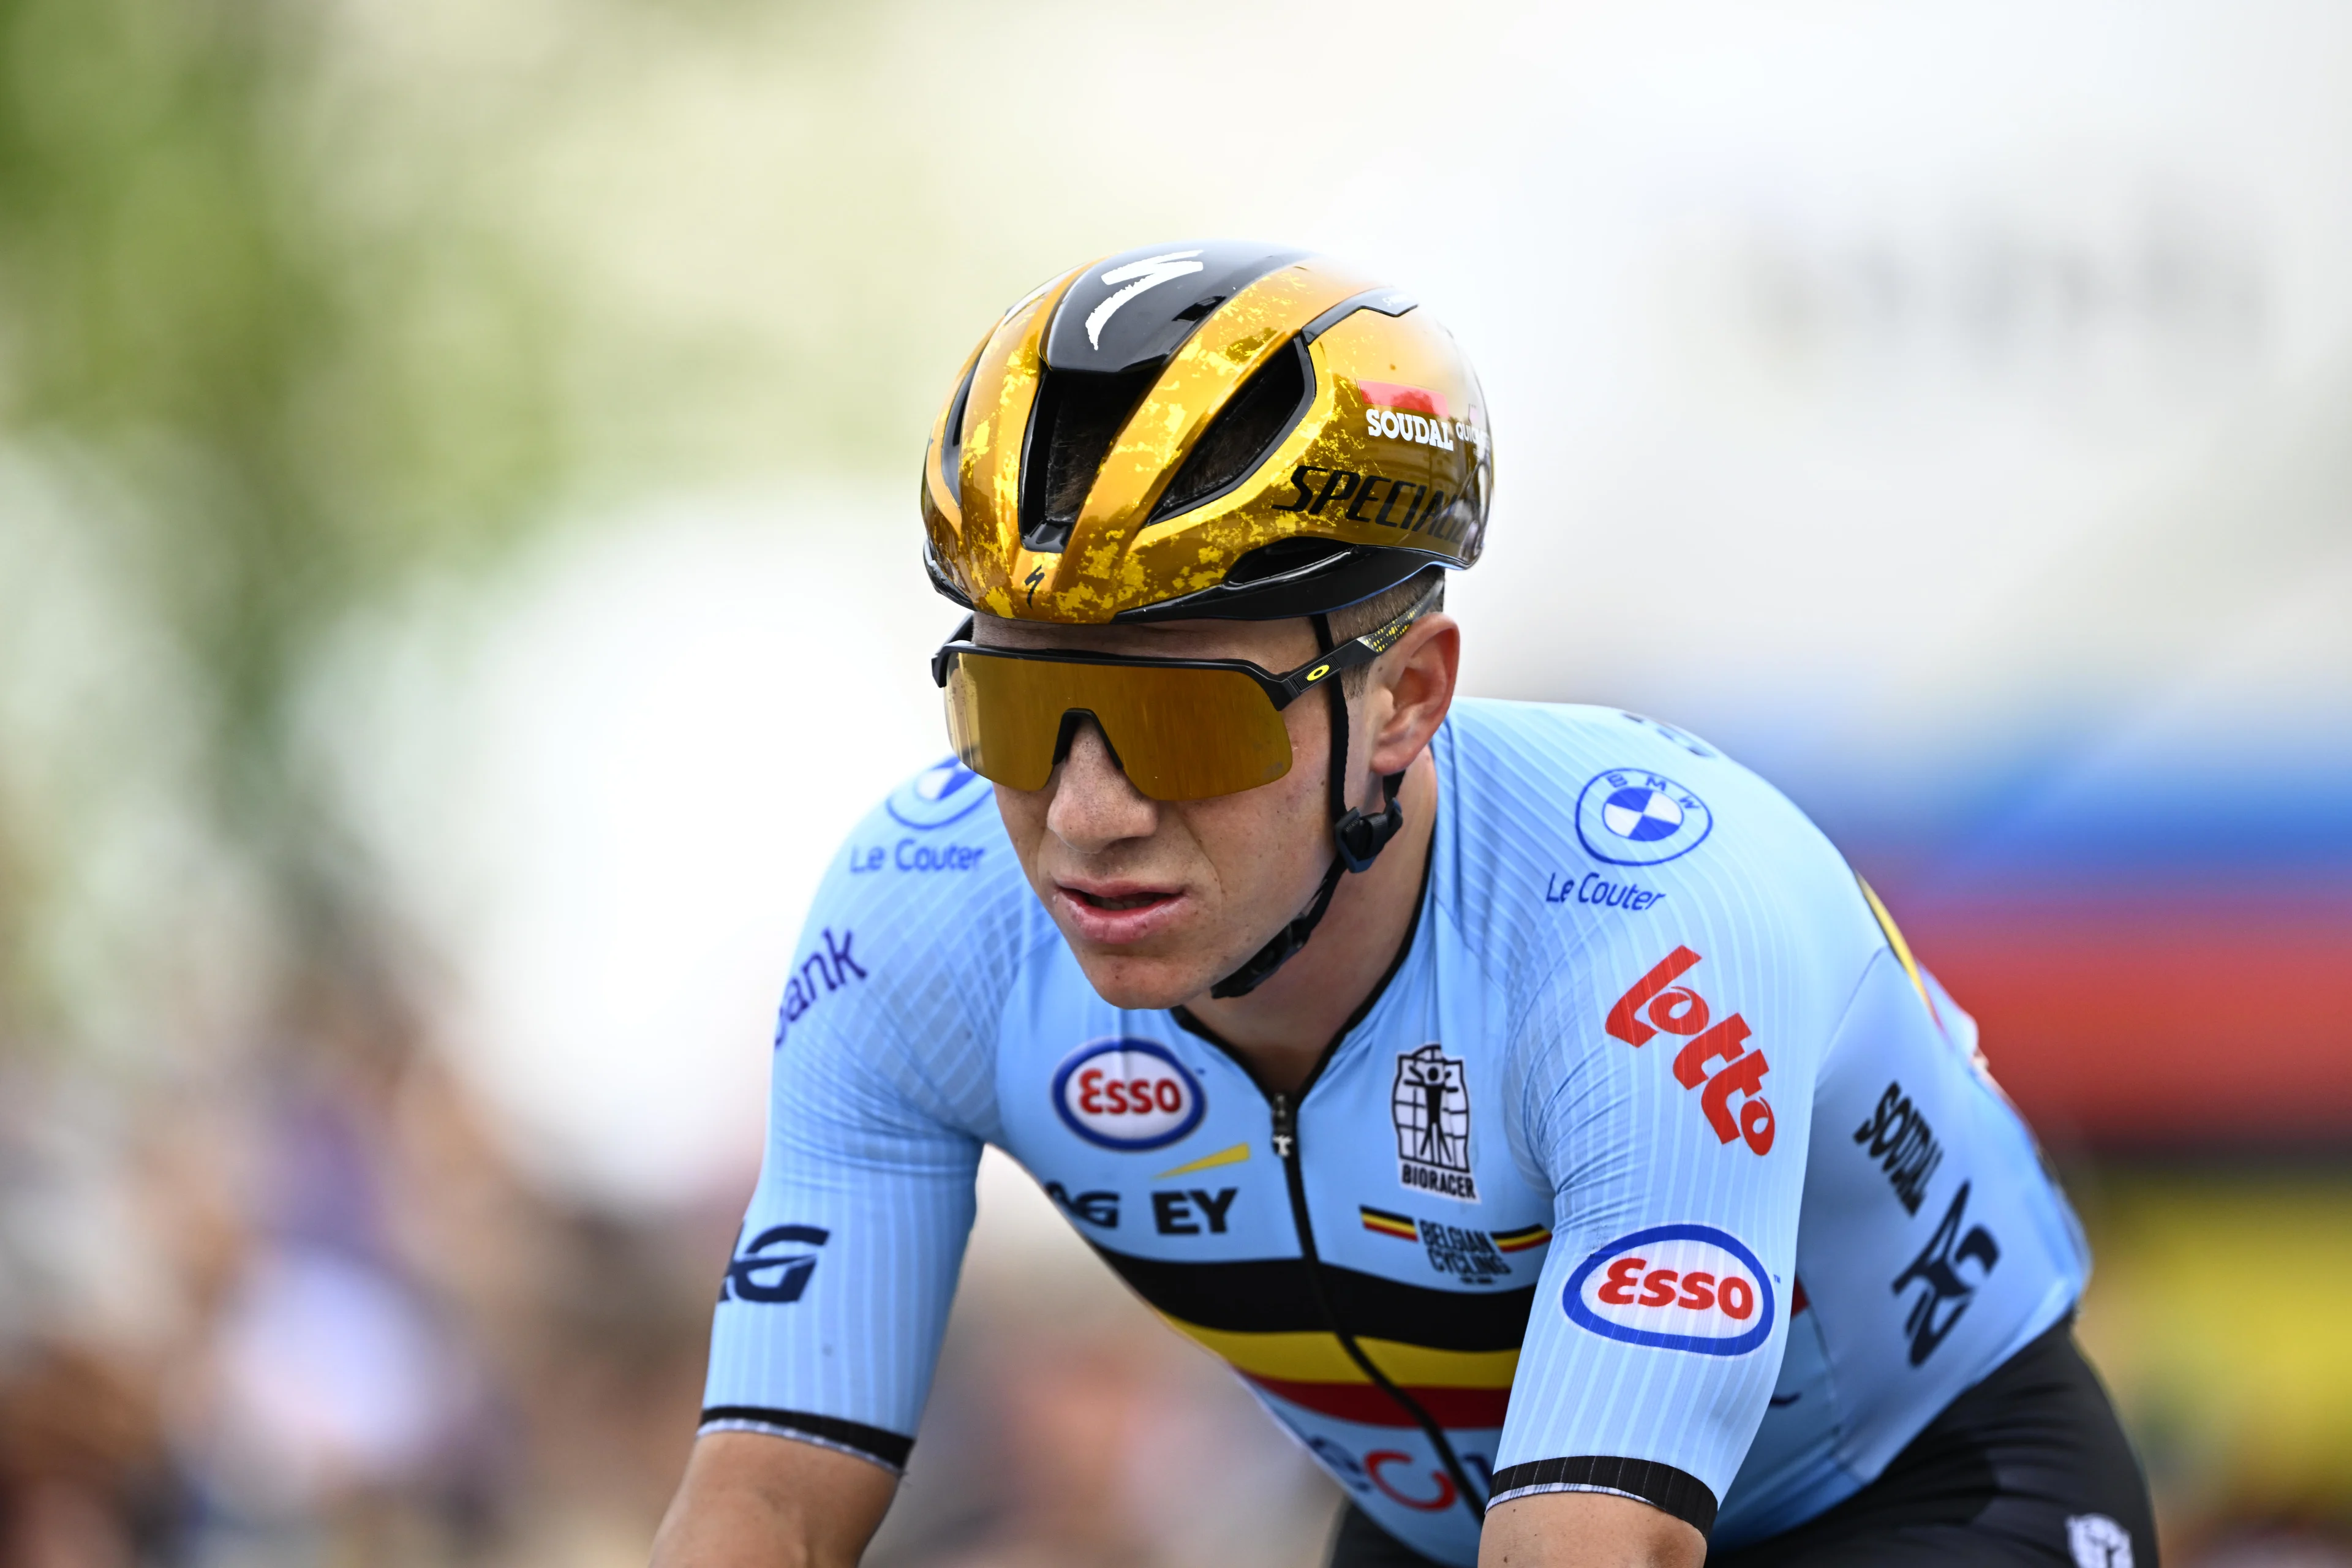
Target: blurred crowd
{"x": 304, "y": 1312}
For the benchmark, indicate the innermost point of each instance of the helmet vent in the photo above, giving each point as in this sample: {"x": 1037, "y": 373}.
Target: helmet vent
{"x": 1078, "y": 415}
{"x": 951, "y": 438}
{"x": 1283, "y": 557}
{"x": 1243, "y": 432}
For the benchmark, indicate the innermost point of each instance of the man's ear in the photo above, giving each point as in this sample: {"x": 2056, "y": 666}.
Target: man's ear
{"x": 1411, "y": 691}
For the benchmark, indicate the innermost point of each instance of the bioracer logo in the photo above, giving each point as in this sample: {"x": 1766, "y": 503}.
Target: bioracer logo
{"x": 1430, "y": 1104}
{"x": 1675, "y": 1288}
{"x": 1127, "y": 1094}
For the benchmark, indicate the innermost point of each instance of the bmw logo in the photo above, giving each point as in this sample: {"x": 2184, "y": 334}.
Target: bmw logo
{"x": 943, "y": 793}
{"x": 1632, "y": 816}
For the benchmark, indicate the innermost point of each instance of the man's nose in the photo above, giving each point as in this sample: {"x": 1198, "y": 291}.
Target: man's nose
{"x": 1096, "y": 806}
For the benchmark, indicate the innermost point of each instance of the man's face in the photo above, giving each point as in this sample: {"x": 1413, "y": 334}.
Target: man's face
{"x": 1160, "y": 899}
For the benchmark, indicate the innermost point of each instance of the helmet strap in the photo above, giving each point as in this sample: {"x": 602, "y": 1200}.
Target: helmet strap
{"x": 1357, "y": 840}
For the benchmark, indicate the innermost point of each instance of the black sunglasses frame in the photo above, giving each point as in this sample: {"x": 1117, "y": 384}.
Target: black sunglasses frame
{"x": 1281, "y": 690}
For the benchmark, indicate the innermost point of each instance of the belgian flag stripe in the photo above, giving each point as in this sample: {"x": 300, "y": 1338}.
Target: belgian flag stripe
{"x": 1272, "y": 1295}
{"x": 1475, "y": 1409}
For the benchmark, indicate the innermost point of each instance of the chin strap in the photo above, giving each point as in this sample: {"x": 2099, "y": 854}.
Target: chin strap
{"x": 1357, "y": 839}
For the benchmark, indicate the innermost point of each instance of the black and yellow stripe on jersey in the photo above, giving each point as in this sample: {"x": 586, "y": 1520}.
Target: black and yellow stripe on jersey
{"x": 1452, "y": 1352}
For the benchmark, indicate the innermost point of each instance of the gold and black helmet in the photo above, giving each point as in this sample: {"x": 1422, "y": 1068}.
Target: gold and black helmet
{"x": 1212, "y": 429}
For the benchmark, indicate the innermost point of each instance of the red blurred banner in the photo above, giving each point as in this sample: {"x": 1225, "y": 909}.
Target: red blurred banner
{"x": 2168, "y": 1018}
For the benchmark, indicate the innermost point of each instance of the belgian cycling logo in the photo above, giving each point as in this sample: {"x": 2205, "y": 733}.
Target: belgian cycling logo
{"x": 1129, "y": 1095}
{"x": 1654, "y": 1003}
{"x": 1631, "y": 816}
{"x": 943, "y": 793}
{"x": 1431, "y": 1107}
{"x": 768, "y": 1277}
{"x": 1470, "y": 1256}
{"x": 1675, "y": 1287}
{"x": 1945, "y": 1291}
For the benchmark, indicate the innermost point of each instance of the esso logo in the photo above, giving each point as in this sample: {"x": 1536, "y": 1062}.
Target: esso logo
{"x": 1127, "y": 1094}
{"x": 1676, "y": 1288}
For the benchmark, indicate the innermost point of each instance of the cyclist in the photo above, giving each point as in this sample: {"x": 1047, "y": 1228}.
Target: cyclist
{"x": 1526, "y": 1101}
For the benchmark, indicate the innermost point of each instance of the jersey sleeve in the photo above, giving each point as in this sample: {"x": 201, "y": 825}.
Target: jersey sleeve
{"x": 833, "y": 1306}
{"x": 1666, "y": 1100}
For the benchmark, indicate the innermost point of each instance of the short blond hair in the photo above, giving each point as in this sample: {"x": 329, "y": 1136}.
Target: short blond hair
{"x": 1379, "y": 610}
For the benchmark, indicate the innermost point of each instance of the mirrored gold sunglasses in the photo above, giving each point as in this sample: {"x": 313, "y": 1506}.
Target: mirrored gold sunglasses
{"x": 1181, "y": 729}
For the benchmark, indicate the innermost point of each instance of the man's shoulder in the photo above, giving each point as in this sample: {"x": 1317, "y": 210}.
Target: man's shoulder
{"x": 1613, "y": 788}
{"x": 924, "y": 899}
{"x": 1580, "y": 828}
{"x": 935, "y": 834}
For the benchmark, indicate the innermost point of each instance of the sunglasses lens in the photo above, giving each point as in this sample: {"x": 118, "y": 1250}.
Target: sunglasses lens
{"x": 1180, "y": 733}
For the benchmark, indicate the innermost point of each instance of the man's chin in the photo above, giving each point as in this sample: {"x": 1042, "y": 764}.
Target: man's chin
{"x": 1140, "y": 983}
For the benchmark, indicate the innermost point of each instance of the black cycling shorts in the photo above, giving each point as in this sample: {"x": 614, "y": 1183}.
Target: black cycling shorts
{"x": 2029, "y": 1466}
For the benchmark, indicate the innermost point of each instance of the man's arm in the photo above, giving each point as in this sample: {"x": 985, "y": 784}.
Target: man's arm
{"x": 832, "y": 1306}
{"x": 1663, "y": 1306}
{"x": 750, "y": 1501}
{"x": 1586, "y": 1530}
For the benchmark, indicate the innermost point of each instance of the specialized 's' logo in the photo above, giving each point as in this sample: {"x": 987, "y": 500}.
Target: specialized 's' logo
{"x": 1631, "y": 816}
{"x": 1654, "y": 1003}
{"x": 943, "y": 792}
{"x": 1675, "y": 1288}
{"x": 1128, "y": 1094}
{"x": 1149, "y": 273}
{"x": 774, "y": 1269}
{"x": 1430, "y": 1105}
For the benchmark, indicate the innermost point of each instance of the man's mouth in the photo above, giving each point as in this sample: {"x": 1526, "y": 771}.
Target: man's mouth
{"x": 1117, "y": 914}
{"x": 1114, "y": 901}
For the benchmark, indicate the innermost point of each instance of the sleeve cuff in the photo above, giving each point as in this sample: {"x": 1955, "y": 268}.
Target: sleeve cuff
{"x": 1663, "y": 1487}
{"x": 872, "y": 1444}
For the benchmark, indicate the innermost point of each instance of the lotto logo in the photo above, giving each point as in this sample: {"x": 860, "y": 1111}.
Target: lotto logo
{"x": 1673, "y": 1287}
{"x": 1127, "y": 1094}
{"x": 1656, "y": 1003}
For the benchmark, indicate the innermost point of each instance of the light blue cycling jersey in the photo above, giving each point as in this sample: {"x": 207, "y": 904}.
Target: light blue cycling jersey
{"x": 1655, "y": 1167}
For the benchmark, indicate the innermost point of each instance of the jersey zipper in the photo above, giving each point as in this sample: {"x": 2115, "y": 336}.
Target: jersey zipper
{"x": 1286, "y": 1148}
{"x": 1284, "y": 1107}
